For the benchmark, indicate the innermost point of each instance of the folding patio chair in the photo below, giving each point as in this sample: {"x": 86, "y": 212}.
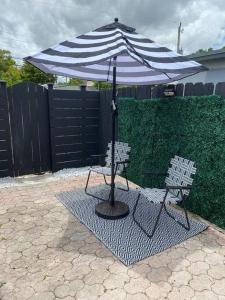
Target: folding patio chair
{"x": 177, "y": 188}
{"x": 121, "y": 159}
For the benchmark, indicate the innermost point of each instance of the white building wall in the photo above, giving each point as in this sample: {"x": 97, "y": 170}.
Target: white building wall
{"x": 216, "y": 73}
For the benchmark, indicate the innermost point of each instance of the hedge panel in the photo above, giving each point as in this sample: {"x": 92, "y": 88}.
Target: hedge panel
{"x": 192, "y": 127}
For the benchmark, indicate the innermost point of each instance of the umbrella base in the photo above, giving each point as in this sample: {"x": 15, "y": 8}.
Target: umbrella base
{"x": 106, "y": 211}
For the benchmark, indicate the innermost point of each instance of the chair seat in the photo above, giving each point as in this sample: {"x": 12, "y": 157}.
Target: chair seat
{"x": 103, "y": 170}
{"x": 157, "y": 195}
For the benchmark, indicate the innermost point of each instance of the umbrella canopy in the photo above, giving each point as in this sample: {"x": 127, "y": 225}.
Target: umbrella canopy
{"x": 139, "y": 60}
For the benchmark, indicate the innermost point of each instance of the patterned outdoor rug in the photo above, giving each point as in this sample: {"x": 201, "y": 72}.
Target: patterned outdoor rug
{"x": 123, "y": 237}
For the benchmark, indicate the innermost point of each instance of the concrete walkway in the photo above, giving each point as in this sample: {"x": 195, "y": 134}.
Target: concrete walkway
{"x": 46, "y": 253}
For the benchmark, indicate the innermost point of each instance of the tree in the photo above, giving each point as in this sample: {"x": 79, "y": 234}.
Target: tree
{"x": 8, "y": 68}
{"x": 200, "y": 51}
{"x": 204, "y": 51}
{"x": 75, "y": 81}
{"x": 101, "y": 85}
{"x": 30, "y": 73}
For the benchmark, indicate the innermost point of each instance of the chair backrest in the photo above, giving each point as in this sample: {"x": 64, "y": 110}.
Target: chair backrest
{"x": 121, "y": 154}
{"x": 180, "y": 174}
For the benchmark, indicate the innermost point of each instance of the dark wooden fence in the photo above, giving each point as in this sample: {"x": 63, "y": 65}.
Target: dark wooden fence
{"x": 48, "y": 129}
{"x": 29, "y": 120}
{"x": 74, "y": 119}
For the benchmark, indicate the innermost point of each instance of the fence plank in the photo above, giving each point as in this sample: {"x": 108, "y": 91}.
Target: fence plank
{"x": 198, "y": 89}
{"x": 179, "y": 89}
{"x": 158, "y": 91}
{"x": 209, "y": 89}
{"x": 220, "y": 89}
{"x": 189, "y": 89}
{"x": 6, "y": 166}
{"x": 143, "y": 92}
{"x": 139, "y": 92}
{"x": 133, "y": 92}
{"x": 35, "y": 136}
{"x": 28, "y": 128}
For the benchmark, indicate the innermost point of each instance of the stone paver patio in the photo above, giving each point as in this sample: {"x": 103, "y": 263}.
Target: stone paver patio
{"x": 46, "y": 253}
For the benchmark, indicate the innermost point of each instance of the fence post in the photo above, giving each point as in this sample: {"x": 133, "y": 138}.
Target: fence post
{"x": 189, "y": 89}
{"x": 3, "y": 92}
{"x": 157, "y": 91}
{"x": 220, "y": 89}
{"x": 209, "y": 88}
{"x": 51, "y": 128}
{"x": 6, "y": 166}
{"x": 179, "y": 89}
{"x": 83, "y": 122}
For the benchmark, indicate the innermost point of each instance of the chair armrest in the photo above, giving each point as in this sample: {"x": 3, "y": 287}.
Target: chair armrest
{"x": 124, "y": 163}
{"x": 150, "y": 173}
{"x": 127, "y": 161}
{"x": 178, "y": 187}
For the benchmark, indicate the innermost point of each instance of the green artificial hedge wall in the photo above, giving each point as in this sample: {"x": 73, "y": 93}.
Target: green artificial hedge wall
{"x": 191, "y": 127}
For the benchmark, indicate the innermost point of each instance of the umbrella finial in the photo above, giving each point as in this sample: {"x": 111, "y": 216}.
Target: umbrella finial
{"x": 115, "y": 25}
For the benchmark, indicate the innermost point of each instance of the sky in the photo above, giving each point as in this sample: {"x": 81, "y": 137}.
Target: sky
{"x": 29, "y": 26}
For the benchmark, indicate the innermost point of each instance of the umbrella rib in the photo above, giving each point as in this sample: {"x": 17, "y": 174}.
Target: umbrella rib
{"x": 109, "y": 69}
{"x": 144, "y": 61}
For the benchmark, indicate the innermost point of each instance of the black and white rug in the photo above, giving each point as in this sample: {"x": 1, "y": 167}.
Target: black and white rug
{"x": 123, "y": 237}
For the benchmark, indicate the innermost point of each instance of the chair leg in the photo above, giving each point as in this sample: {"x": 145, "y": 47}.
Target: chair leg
{"x": 136, "y": 204}
{"x": 105, "y": 180}
{"x": 89, "y": 173}
{"x": 185, "y": 226}
{"x": 158, "y": 217}
{"x": 128, "y": 188}
{"x": 92, "y": 195}
{"x": 119, "y": 188}
{"x": 127, "y": 184}
{"x": 150, "y": 235}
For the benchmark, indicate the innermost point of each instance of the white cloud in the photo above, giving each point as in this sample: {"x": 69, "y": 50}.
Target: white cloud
{"x": 206, "y": 28}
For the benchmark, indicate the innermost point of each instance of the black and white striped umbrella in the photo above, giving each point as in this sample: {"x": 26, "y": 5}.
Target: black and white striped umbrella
{"x": 139, "y": 60}
{"x": 117, "y": 54}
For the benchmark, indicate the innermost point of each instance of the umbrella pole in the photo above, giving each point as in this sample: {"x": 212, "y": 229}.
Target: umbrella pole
{"x": 112, "y": 209}
{"x": 114, "y": 111}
